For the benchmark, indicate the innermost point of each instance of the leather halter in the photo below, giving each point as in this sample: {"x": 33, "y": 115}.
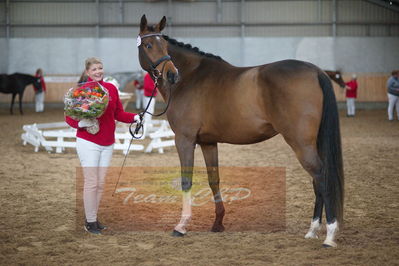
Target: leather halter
{"x": 156, "y": 73}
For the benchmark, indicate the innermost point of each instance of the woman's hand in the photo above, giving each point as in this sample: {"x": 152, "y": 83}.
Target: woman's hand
{"x": 87, "y": 122}
{"x": 91, "y": 125}
{"x": 137, "y": 118}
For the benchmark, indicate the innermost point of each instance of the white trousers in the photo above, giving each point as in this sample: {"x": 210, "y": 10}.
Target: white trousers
{"x": 139, "y": 99}
{"x": 350, "y": 105}
{"x": 39, "y": 100}
{"x": 94, "y": 160}
{"x": 392, "y": 102}
{"x": 148, "y": 117}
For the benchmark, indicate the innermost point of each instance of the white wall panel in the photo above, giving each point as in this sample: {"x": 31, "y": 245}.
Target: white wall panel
{"x": 66, "y": 55}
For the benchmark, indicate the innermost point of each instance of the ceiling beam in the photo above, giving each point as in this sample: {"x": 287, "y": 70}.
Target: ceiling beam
{"x": 392, "y": 5}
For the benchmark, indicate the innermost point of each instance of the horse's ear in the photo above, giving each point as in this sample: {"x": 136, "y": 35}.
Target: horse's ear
{"x": 143, "y": 23}
{"x": 161, "y": 25}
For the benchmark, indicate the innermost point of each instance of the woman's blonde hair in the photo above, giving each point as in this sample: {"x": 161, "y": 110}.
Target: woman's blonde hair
{"x": 91, "y": 61}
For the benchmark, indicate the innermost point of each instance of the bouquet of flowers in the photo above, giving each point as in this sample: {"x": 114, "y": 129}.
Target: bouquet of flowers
{"x": 86, "y": 101}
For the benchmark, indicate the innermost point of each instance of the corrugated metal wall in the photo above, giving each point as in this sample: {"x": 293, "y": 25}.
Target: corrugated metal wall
{"x": 198, "y": 18}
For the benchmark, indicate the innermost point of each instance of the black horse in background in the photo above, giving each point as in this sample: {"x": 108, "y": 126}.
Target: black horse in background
{"x": 16, "y": 84}
{"x": 336, "y": 76}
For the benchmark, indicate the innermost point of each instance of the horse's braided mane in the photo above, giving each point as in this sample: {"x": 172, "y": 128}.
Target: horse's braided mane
{"x": 189, "y": 47}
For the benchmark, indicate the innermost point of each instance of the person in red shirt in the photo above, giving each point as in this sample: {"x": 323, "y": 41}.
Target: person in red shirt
{"x": 94, "y": 144}
{"x": 148, "y": 92}
{"x": 351, "y": 95}
{"x": 39, "y": 94}
{"x": 138, "y": 84}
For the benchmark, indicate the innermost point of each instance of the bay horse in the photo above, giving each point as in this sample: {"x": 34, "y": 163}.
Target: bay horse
{"x": 211, "y": 102}
{"x": 336, "y": 76}
{"x": 16, "y": 84}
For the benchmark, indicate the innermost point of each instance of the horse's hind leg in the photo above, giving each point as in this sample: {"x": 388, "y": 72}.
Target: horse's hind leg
{"x": 315, "y": 225}
{"x": 12, "y": 103}
{"x": 311, "y": 162}
{"x": 210, "y": 152}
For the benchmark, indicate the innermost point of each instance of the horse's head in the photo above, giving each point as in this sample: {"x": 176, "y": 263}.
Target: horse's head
{"x": 153, "y": 51}
{"x": 37, "y": 83}
{"x": 340, "y": 81}
{"x": 337, "y": 77}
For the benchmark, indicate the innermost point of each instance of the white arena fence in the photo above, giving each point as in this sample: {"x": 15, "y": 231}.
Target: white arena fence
{"x": 59, "y": 136}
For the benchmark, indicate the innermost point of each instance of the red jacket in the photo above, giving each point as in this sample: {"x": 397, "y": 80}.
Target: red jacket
{"x": 352, "y": 93}
{"x": 41, "y": 82}
{"x": 149, "y": 86}
{"x": 114, "y": 111}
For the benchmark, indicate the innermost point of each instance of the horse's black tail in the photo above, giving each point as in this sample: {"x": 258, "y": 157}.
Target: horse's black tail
{"x": 329, "y": 148}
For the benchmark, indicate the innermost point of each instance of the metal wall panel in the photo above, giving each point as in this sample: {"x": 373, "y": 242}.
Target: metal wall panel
{"x": 280, "y": 11}
{"x": 2, "y": 13}
{"x": 153, "y": 11}
{"x": 52, "y": 13}
{"x": 394, "y": 30}
{"x": 119, "y": 32}
{"x": 3, "y": 32}
{"x": 362, "y": 11}
{"x": 214, "y": 31}
{"x": 110, "y": 13}
{"x": 285, "y": 31}
{"x": 352, "y": 30}
{"x": 231, "y": 12}
{"x": 53, "y": 32}
{"x": 261, "y": 18}
{"x": 380, "y": 31}
{"x": 194, "y": 12}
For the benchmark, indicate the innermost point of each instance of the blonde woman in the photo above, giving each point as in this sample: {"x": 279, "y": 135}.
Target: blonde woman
{"x": 94, "y": 144}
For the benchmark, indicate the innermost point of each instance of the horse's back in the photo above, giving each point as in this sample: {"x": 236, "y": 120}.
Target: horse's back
{"x": 14, "y": 83}
{"x": 6, "y": 84}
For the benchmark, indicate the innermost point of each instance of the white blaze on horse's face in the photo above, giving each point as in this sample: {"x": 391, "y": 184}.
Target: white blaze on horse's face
{"x": 95, "y": 72}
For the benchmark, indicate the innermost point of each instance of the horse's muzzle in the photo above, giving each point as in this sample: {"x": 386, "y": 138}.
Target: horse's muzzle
{"x": 172, "y": 77}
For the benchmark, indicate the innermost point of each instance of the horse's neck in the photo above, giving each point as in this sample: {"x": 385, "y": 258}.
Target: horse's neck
{"x": 185, "y": 61}
{"x": 26, "y": 79}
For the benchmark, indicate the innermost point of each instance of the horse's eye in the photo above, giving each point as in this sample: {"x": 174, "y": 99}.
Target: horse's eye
{"x": 148, "y": 46}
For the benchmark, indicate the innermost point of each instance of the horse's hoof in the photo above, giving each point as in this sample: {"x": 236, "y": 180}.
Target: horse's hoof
{"x": 311, "y": 235}
{"x": 217, "y": 228}
{"x": 329, "y": 244}
{"x": 177, "y": 234}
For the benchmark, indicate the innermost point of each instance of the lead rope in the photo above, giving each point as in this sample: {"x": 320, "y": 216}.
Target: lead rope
{"x": 140, "y": 125}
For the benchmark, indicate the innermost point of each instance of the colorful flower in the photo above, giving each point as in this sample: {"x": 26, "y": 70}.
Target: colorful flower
{"x": 88, "y": 100}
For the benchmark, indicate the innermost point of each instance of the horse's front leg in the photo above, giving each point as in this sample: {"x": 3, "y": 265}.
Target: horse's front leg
{"x": 20, "y": 96}
{"x": 210, "y": 152}
{"x": 185, "y": 148}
